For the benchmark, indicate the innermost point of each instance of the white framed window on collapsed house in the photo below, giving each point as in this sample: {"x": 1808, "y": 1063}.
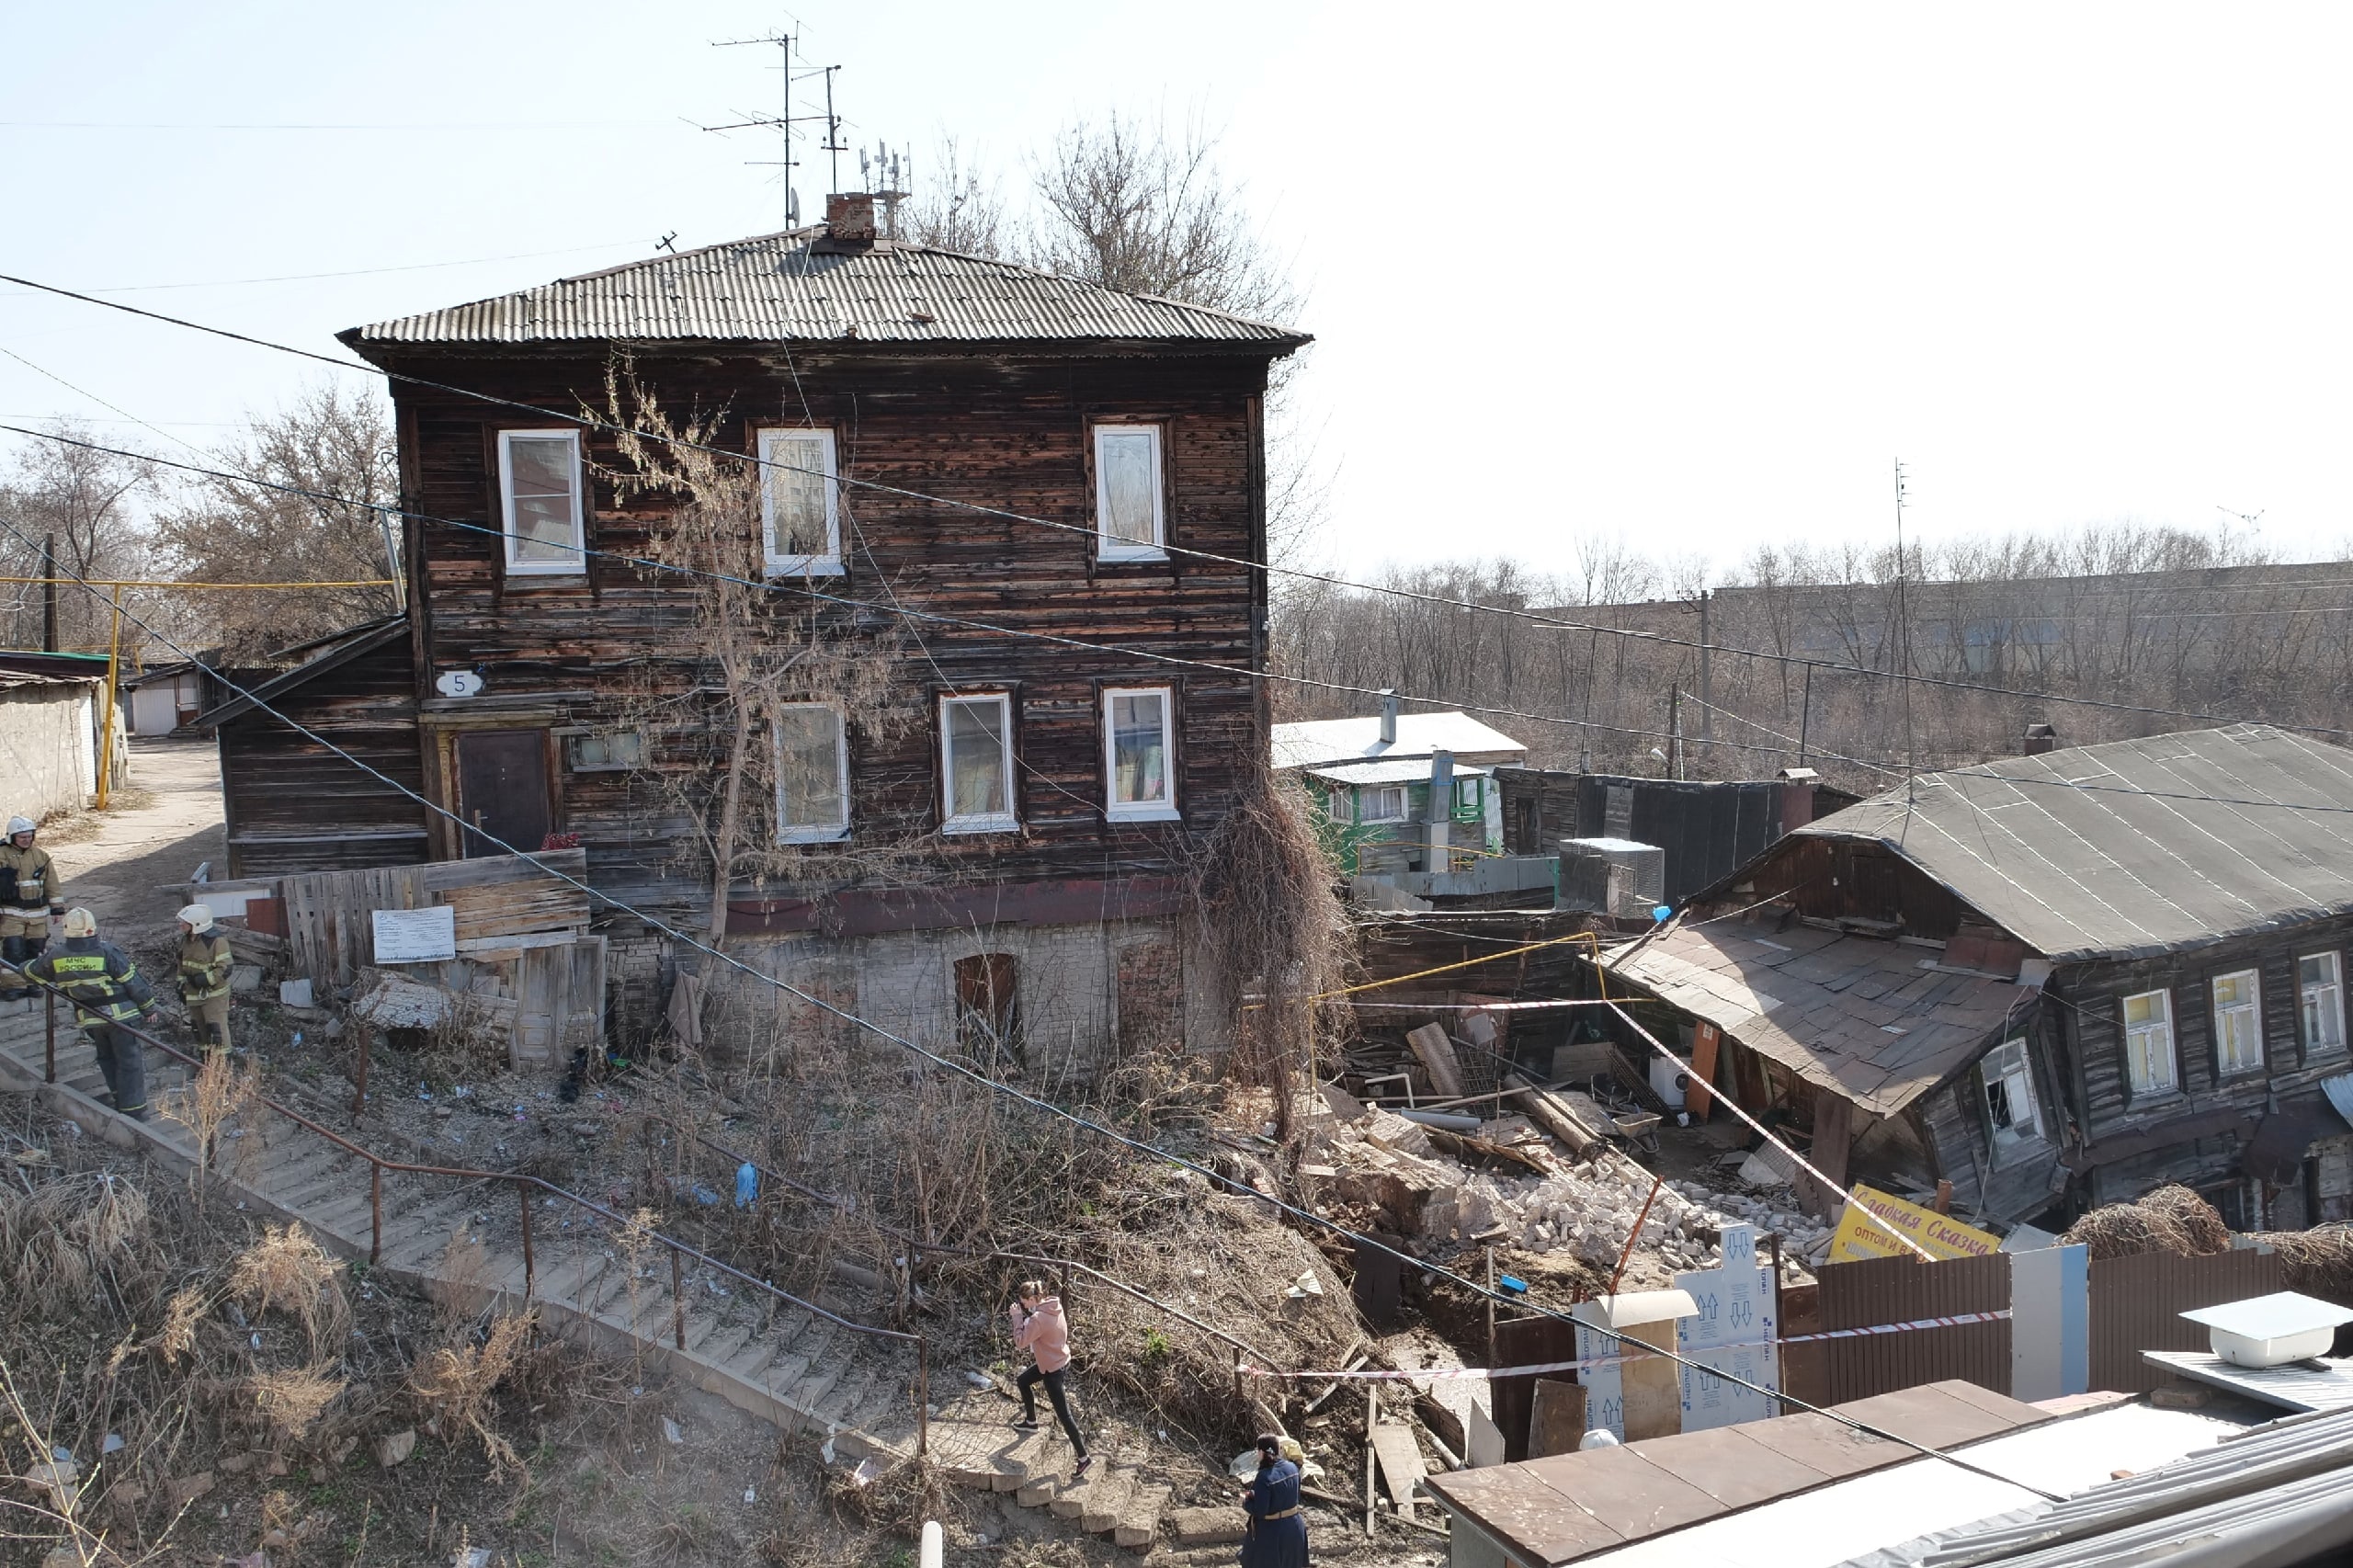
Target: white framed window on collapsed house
{"x": 2320, "y": 987}
{"x": 1139, "y": 754}
{"x": 1129, "y": 499}
{"x": 801, "y": 520}
{"x": 2009, "y": 1096}
{"x": 812, "y": 774}
{"x": 1380, "y": 802}
{"x": 2149, "y": 1064}
{"x": 976, "y": 764}
{"x": 2238, "y": 1023}
{"x": 540, "y": 504}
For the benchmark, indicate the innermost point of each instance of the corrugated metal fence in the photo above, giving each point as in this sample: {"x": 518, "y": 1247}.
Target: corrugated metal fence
{"x": 2136, "y": 1304}
{"x": 2136, "y": 1301}
{"x": 1898, "y": 1289}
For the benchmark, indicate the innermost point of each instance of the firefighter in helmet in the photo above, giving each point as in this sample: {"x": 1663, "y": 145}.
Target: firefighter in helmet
{"x": 28, "y": 896}
{"x": 108, "y": 994}
{"x": 205, "y": 960}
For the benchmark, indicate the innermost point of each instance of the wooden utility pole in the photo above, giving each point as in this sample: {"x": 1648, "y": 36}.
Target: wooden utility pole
{"x": 1706, "y": 679}
{"x": 1674, "y": 731}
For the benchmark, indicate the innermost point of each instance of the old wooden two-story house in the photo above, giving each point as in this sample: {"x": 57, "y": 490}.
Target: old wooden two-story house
{"x": 2053, "y": 981}
{"x": 953, "y": 451}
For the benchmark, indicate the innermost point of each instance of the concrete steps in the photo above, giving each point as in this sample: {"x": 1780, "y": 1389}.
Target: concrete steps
{"x": 789, "y": 1365}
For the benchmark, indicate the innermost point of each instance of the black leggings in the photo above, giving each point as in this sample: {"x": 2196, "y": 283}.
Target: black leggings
{"x": 1027, "y": 1383}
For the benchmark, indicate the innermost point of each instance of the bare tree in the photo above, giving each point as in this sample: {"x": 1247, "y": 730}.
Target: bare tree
{"x": 327, "y": 440}
{"x": 955, "y": 207}
{"x": 89, "y": 503}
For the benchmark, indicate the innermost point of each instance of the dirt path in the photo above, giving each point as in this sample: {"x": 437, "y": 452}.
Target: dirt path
{"x": 116, "y": 864}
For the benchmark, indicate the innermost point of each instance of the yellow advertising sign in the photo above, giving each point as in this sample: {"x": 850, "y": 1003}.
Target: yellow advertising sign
{"x": 1873, "y": 1220}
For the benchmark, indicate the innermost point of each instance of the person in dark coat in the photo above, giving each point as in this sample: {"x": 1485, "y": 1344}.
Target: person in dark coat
{"x": 1276, "y": 1535}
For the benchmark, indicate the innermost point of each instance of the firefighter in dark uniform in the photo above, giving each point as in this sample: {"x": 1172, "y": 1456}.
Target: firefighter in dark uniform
{"x": 28, "y": 896}
{"x": 205, "y": 960}
{"x": 107, "y": 994}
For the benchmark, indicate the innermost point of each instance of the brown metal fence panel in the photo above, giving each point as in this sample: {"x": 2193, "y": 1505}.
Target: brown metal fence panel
{"x": 1901, "y": 1290}
{"x": 2136, "y": 1304}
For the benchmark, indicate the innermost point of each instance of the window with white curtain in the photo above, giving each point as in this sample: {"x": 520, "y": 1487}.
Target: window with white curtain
{"x": 2238, "y": 1023}
{"x": 538, "y": 493}
{"x": 800, "y": 503}
{"x": 2148, "y": 1042}
{"x": 812, "y": 774}
{"x": 1138, "y": 752}
{"x": 976, "y": 764}
{"x": 1128, "y": 493}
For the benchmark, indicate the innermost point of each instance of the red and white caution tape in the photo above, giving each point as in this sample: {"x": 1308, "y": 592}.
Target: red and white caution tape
{"x": 1440, "y": 1373}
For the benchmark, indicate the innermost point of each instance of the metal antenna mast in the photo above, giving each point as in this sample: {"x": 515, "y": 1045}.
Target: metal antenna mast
{"x": 834, "y": 145}
{"x": 783, "y": 123}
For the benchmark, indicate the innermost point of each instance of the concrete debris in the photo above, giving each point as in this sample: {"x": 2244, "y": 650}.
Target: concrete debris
{"x": 391, "y": 1002}
{"x": 294, "y": 992}
{"x": 244, "y": 978}
{"x": 1386, "y": 1163}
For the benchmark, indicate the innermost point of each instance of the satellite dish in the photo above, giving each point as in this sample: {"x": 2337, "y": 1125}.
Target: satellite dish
{"x": 458, "y": 683}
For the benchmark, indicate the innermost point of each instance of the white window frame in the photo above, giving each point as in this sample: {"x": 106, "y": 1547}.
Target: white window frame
{"x": 2009, "y": 1065}
{"x": 814, "y": 832}
{"x": 2159, "y": 1027}
{"x": 1405, "y": 804}
{"x": 2228, "y": 1023}
{"x": 578, "y": 565}
{"x": 1139, "y": 811}
{"x": 1007, "y": 820}
{"x": 1106, "y": 547}
{"x": 778, "y": 564}
{"x": 2335, "y": 987}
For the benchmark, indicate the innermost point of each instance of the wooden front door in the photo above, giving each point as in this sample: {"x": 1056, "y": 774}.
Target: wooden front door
{"x": 503, "y": 791}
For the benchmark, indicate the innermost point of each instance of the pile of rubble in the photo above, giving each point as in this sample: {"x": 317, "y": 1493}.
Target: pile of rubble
{"x": 1384, "y": 1162}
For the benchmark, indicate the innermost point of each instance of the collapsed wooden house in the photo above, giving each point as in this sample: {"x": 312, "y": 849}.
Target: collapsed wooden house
{"x": 2052, "y": 981}
{"x": 982, "y": 482}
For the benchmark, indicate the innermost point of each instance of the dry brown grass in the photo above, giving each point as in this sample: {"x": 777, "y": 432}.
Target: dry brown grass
{"x": 211, "y": 1102}
{"x": 457, "y": 1383}
{"x": 292, "y": 1399}
{"x": 288, "y": 1271}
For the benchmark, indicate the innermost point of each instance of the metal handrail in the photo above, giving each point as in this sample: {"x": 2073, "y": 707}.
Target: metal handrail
{"x": 525, "y": 1184}
{"x": 916, "y": 1243}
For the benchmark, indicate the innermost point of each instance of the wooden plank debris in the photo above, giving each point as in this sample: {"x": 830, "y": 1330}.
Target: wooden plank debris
{"x": 1401, "y": 1464}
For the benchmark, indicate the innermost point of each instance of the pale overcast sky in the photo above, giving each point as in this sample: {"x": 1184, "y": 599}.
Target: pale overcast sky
{"x": 1691, "y": 275}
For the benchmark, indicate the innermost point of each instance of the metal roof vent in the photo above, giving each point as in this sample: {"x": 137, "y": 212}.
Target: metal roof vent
{"x": 2271, "y": 1331}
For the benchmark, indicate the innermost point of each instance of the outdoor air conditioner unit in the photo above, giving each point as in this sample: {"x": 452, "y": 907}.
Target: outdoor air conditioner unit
{"x": 1613, "y": 876}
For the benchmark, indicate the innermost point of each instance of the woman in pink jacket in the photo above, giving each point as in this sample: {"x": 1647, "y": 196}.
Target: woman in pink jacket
{"x": 1039, "y": 1328}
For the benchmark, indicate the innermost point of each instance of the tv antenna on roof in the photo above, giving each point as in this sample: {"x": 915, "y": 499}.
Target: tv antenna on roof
{"x": 784, "y": 123}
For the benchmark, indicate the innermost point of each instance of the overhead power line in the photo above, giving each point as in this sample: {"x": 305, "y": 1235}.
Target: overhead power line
{"x": 1047, "y": 1108}
{"x": 593, "y": 422}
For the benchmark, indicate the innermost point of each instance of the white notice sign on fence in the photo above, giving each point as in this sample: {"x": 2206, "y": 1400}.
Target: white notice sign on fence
{"x": 416, "y": 936}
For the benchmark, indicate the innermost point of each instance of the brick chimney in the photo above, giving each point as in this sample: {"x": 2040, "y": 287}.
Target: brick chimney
{"x": 850, "y": 219}
{"x": 2039, "y": 738}
{"x": 1796, "y": 797}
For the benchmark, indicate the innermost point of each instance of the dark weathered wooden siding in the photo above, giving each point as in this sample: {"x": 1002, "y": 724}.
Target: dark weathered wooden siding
{"x": 1002, "y": 432}
{"x": 292, "y": 804}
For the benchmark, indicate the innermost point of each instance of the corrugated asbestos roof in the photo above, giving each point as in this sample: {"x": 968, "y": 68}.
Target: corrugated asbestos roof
{"x": 1855, "y": 1015}
{"x": 1324, "y": 741}
{"x": 783, "y": 288}
{"x": 2133, "y": 848}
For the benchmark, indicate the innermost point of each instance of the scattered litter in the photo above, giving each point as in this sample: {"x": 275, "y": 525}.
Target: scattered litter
{"x": 705, "y": 1196}
{"x": 297, "y": 1040}
{"x": 980, "y": 1379}
{"x": 112, "y": 1444}
{"x": 869, "y": 1470}
{"x": 1306, "y": 1285}
{"x": 461, "y": 1092}
{"x": 256, "y": 1339}
{"x": 750, "y": 1495}
{"x": 670, "y": 1433}
{"x": 747, "y": 1184}
{"x": 1517, "y": 1287}
{"x": 477, "y": 1557}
